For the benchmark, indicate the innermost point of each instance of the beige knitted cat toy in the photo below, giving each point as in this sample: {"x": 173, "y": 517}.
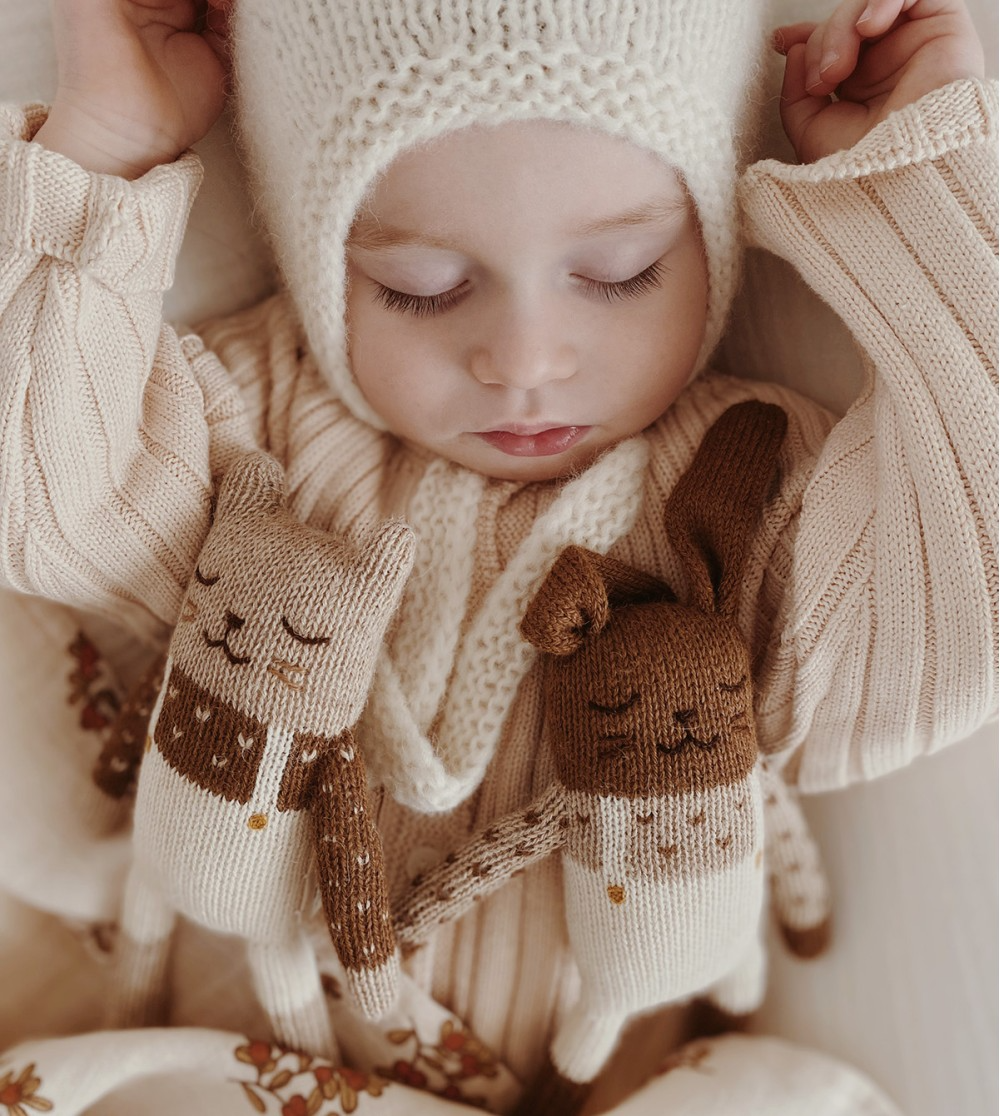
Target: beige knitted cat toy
{"x": 252, "y": 793}
{"x": 662, "y": 802}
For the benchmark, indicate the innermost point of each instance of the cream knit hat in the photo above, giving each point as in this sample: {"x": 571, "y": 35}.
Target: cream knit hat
{"x": 331, "y": 91}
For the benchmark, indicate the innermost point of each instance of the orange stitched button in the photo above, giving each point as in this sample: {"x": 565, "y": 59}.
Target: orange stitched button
{"x": 616, "y": 893}
{"x": 257, "y": 821}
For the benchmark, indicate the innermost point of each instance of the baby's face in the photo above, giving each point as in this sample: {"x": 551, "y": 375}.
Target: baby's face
{"x": 523, "y": 297}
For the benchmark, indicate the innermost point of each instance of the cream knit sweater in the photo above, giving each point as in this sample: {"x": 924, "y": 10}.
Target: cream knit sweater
{"x": 870, "y": 600}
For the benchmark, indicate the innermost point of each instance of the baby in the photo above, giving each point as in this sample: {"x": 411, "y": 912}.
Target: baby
{"x": 509, "y": 235}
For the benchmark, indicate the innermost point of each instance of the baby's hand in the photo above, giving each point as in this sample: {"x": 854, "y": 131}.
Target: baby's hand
{"x": 139, "y": 80}
{"x": 875, "y": 56}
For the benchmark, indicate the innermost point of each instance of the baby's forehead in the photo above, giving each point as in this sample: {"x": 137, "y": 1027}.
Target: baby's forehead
{"x": 516, "y": 170}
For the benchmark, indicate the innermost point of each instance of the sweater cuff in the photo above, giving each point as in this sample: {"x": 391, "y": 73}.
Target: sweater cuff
{"x": 126, "y": 235}
{"x": 959, "y": 115}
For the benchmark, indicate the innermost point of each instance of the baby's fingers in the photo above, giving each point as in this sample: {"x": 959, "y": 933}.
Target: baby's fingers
{"x": 832, "y": 49}
{"x": 879, "y": 16}
{"x": 799, "y": 107}
{"x": 792, "y": 34}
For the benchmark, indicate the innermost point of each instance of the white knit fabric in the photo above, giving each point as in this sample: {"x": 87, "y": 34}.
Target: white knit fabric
{"x": 331, "y": 91}
{"x": 437, "y": 772}
{"x": 443, "y": 515}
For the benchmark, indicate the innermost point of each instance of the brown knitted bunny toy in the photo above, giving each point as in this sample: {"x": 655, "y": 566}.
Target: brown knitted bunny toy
{"x": 662, "y": 801}
{"x": 252, "y": 793}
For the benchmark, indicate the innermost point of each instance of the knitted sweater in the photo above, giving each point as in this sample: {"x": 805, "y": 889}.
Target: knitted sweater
{"x": 869, "y": 597}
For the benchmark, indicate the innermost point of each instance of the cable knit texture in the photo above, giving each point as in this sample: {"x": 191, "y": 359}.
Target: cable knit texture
{"x": 869, "y": 591}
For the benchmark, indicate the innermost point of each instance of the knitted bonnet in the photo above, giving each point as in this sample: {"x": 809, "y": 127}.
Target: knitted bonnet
{"x": 331, "y": 91}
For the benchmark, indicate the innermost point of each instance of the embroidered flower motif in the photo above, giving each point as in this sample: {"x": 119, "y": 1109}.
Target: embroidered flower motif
{"x": 257, "y": 1054}
{"x": 408, "y": 1074}
{"x": 19, "y": 1094}
{"x": 100, "y": 704}
{"x": 446, "y": 1067}
{"x": 302, "y": 1085}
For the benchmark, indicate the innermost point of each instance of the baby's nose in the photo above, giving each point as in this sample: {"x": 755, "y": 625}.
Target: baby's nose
{"x": 522, "y": 366}
{"x": 524, "y": 352}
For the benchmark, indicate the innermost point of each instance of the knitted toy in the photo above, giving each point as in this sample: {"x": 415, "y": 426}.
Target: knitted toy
{"x": 662, "y": 802}
{"x": 252, "y": 792}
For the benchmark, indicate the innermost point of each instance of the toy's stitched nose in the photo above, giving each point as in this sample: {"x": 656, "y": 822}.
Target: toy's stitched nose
{"x": 234, "y": 622}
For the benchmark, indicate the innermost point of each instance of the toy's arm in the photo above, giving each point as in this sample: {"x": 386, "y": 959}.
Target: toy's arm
{"x": 800, "y": 893}
{"x": 350, "y": 870}
{"x": 488, "y": 861}
{"x": 884, "y": 631}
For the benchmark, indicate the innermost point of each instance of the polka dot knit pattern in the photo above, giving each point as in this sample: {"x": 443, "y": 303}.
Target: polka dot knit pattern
{"x": 331, "y": 92}
{"x": 252, "y": 793}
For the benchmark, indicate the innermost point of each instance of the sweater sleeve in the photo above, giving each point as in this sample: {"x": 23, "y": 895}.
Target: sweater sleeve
{"x": 888, "y": 620}
{"x": 108, "y": 420}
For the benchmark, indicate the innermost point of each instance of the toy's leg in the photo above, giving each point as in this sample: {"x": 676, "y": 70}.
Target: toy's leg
{"x": 741, "y": 992}
{"x": 579, "y": 1052}
{"x": 139, "y": 975}
{"x": 288, "y": 983}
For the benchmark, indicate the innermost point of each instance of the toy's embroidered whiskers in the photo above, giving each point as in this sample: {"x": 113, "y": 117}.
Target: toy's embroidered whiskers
{"x": 293, "y": 675}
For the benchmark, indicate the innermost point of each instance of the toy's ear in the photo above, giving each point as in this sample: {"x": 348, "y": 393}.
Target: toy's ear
{"x": 715, "y": 506}
{"x": 576, "y": 599}
{"x": 255, "y": 483}
{"x": 386, "y": 562}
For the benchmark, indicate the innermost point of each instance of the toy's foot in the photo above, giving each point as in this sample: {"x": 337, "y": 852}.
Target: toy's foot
{"x": 551, "y": 1094}
{"x": 706, "y": 1019}
{"x": 810, "y": 942}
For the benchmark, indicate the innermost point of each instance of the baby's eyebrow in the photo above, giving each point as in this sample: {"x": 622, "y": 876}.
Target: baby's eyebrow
{"x": 371, "y": 236}
{"x": 649, "y": 213}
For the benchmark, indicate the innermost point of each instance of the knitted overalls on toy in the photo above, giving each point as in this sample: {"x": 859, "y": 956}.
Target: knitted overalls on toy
{"x": 252, "y": 793}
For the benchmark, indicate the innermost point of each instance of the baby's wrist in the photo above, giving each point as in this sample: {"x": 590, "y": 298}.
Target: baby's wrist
{"x": 98, "y": 147}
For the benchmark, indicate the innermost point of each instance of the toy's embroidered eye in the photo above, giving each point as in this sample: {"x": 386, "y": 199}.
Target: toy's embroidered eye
{"x": 203, "y": 579}
{"x": 309, "y": 641}
{"x": 733, "y": 687}
{"x": 626, "y": 704}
